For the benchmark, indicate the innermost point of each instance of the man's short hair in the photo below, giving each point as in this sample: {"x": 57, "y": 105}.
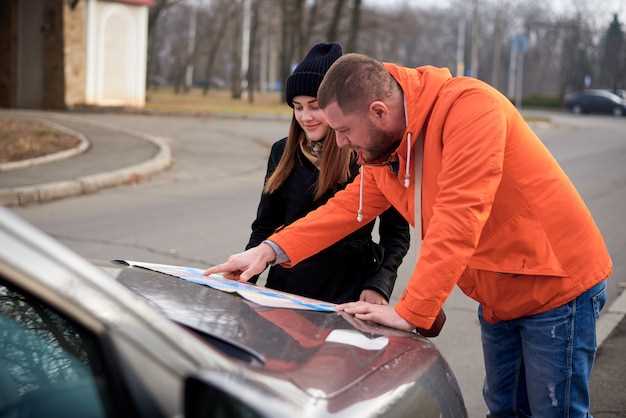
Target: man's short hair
{"x": 354, "y": 81}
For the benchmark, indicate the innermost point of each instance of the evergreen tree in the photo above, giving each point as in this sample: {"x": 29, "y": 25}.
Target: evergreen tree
{"x": 613, "y": 54}
{"x": 576, "y": 54}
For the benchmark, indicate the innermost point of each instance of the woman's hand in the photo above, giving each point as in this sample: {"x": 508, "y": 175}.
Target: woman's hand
{"x": 372, "y": 296}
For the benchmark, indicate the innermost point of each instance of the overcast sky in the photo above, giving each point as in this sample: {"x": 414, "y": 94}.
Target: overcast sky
{"x": 604, "y": 9}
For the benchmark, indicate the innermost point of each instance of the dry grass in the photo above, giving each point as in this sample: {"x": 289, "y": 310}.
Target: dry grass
{"x": 534, "y": 119}
{"x": 24, "y": 139}
{"x": 164, "y": 100}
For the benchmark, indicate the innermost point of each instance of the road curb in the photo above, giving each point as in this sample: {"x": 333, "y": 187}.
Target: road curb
{"x": 611, "y": 318}
{"x": 60, "y": 155}
{"x": 22, "y": 196}
{"x": 197, "y": 114}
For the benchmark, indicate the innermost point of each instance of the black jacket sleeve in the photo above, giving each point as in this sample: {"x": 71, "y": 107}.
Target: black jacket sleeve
{"x": 395, "y": 239}
{"x": 270, "y": 213}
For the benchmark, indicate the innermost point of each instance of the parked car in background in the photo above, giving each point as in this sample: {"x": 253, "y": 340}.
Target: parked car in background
{"x": 620, "y": 92}
{"x": 75, "y": 342}
{"x": 596, "y": 101}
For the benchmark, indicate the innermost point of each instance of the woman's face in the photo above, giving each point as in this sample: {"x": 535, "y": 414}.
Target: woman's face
{"x": 310, "y": 117}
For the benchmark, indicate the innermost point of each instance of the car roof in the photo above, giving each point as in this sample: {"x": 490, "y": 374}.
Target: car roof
{"x": 603, "y": 92}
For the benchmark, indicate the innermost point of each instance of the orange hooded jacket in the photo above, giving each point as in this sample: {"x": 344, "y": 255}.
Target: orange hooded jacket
{"x": 499, "y": 216}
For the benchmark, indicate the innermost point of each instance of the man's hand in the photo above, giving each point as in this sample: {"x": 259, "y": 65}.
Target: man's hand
{"x": 380, "y": 314}
{"x": 244, "y": 265}
{"x": 372, "y": 296}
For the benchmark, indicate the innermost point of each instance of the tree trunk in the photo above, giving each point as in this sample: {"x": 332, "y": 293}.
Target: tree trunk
{"x": 355, "y": 24}
{"x": 235, "y": 56}
{"x": 286, "y": 52}
{"x": 156, "y": 11}
{"x": 297, "y": 26}
{"x": 311, "y": 22}
{"x": 475, "y": 49}
{"x": 497, "y": 50}
{"x": 254, "y": 28}
{"x": 224, "y": 15}
{"x": 333, "y": 28}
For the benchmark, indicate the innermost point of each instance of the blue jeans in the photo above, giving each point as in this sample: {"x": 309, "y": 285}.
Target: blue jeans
{"x": 539, "y": 365}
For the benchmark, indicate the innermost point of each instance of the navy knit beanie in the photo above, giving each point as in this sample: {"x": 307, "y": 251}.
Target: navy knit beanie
{"x": 307, "y": 76}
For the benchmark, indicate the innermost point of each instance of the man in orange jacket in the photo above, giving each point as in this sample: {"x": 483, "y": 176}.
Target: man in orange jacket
{"x": 497, "y": 216}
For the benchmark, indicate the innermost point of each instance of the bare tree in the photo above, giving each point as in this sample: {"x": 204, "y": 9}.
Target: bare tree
{"x": 309, "y": 27}
{"x": 563, "y": 47}
{"x": 297, "y": 26}
{"x": 612, "y": 54}
{"x": 222, "y": 17}
{"x": 291, "y": 12}
{"x": 156, "y": 11}
{"x": 254, "y": 29}
{"x": 355, "y": 24}
{"x": 235, "y": 54}
{"x": 497, "y": 46}
{"x": 333, "y": 28}
{"x": 475, "y": 45}
{"x": 575, "y": 59}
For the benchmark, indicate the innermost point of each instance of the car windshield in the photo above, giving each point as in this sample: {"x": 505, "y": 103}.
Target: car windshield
{"x": 606, "y": 93}
{"x": 45, "y": 362}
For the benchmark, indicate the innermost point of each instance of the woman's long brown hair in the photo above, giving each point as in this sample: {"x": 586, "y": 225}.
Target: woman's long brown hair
{"x": 334, "y": 162}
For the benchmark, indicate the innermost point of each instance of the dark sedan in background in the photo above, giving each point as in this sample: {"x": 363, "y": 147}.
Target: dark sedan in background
{"x": 74, "y": 342}
{"x": 596, "y": 101}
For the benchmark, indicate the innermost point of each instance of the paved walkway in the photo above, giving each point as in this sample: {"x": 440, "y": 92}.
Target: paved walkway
{"x": 114, "y": 157}
{"x": 608, "y": 380}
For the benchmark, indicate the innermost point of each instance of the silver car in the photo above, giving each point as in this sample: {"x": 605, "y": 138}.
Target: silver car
{"x": 75, "y": 342}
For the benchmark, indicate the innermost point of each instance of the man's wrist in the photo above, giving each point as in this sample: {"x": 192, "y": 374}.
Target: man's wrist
{"x": 278, "y": 256}
{"x": 268, "y": 253}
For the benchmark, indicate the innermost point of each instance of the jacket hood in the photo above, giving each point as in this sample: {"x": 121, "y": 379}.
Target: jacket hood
{"x": 420, "y": 88}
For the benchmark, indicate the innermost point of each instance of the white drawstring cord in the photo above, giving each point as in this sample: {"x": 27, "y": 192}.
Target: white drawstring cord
{"x": 408, "y": 161}
{"x": 359, "y": 216}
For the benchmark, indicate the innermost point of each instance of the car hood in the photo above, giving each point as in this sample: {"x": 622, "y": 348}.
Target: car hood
{"x": 304, "y": 347}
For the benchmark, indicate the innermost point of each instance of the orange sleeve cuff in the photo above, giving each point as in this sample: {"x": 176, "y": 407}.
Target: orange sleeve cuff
{"x": 421, "y": 314}
{"x": 290, "y": 250}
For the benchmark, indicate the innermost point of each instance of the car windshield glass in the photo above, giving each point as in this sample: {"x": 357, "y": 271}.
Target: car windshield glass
{"x": 45, "y": 362}
{"x": 605, "y": 93}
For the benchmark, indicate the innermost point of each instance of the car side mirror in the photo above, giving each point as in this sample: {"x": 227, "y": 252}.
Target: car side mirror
{"x": 217, "y": 395}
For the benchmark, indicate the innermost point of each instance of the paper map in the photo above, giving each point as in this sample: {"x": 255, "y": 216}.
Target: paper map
{"x": 260, "y": 295}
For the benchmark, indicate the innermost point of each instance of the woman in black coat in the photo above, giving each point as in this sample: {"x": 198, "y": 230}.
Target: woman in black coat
{"x": 306, "y": 169}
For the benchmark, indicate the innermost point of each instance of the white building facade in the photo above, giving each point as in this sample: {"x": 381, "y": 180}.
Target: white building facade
{"x": 116, "y": 53}
{"x": 70, "y": 53}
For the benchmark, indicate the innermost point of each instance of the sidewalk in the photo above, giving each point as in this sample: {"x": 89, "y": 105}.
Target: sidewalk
{"x": 608, "y": 379}
{"x": 114, "y": 157}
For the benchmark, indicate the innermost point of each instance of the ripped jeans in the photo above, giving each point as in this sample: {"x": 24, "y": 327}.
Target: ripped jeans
{"x": 539, "y": 365}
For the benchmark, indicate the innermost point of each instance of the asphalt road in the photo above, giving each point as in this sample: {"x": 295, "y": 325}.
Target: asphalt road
{"x": 199, "y": 212}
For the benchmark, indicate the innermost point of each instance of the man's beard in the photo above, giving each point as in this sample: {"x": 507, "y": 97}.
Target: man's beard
{"x": 383, "y": 145}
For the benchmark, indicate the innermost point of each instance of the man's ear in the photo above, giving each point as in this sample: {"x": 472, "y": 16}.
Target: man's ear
{"x": 378, "y": 111}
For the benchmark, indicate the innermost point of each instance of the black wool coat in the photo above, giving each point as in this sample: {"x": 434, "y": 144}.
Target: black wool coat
{"x": 339, "y": 273}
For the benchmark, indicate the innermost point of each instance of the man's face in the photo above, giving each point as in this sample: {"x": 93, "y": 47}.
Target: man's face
{"x": 358, "y": 132}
